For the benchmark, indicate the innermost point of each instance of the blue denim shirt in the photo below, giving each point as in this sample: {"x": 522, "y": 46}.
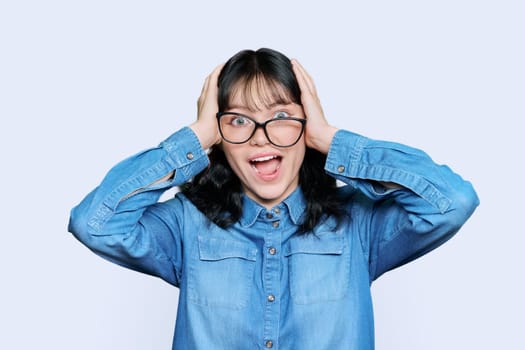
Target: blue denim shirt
{"x": 257, "y": 285}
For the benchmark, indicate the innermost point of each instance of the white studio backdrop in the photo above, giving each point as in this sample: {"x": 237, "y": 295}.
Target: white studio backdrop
{"x": 84, "y": 84}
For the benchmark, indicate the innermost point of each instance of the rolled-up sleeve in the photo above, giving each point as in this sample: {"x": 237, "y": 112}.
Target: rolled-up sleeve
{"x": 397, "y": 225}
{"x": 121, "y": 220}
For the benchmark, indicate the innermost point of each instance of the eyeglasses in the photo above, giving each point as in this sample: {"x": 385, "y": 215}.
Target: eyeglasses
{"x": 281, "y": 130}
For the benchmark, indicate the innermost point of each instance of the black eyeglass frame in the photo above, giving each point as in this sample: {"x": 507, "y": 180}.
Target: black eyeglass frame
{"x": 260, "y": 125}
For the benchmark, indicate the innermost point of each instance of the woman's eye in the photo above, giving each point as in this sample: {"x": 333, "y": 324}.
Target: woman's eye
{"x": 240, "y": 121}
{"x": 281, "y": 114}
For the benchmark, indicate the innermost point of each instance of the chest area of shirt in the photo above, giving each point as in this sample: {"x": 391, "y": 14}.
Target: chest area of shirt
{"x": 231, "y": 269}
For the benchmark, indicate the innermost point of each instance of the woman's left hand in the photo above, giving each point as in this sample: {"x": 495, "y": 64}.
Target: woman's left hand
{"x": 319, "y": 133}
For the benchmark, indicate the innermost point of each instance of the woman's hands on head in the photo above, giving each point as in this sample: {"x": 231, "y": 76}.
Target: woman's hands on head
{"x": 206, "y": 127}
{"x": 319, "y": 133}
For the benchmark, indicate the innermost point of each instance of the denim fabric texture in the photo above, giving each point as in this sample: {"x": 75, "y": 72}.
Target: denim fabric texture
{"x": 257, "y": 284}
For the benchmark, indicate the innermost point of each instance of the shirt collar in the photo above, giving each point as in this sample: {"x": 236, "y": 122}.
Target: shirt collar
{"x": 295, "y": 204}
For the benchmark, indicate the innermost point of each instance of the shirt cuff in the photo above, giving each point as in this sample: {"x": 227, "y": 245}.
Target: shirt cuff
{"x": 185, "y": 153}
{"x": 345, "y": 149}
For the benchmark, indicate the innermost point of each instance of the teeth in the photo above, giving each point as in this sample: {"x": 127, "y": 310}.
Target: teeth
{"x": 263, "y": 159}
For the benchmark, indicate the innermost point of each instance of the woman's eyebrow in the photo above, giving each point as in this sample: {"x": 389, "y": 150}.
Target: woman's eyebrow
{"x": 243, "y": 109}
{"x": 279, "y": 104}
{"x": 271, "y": 106}
{"x": 237, "y": 107}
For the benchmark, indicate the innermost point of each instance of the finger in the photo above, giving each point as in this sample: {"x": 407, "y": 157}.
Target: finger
{"x": 214, "y": 76}
{"x": 212, "y": 88}
{"x": 217, "y": 70}
{"x": 210, "y": 81}
{"x": 307, "y": 79}
{"x": 299, "y": 76}
{"x": 203, "y": 91}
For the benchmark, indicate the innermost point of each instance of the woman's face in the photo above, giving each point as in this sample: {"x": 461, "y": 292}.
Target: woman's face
{"x": 267, "y": 173}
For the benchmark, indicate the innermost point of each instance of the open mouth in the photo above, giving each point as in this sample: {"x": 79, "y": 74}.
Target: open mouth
{"x": 266, "y": 165}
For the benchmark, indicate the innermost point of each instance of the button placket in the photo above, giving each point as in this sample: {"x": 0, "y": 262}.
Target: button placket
{"x": 272, "y": 220}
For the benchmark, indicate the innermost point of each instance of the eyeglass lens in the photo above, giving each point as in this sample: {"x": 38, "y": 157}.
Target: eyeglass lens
{"x": 281, "y": 132}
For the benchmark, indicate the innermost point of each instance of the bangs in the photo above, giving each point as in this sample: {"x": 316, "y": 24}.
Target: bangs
{"x": 258, "y": 93}
{"x": 257, "y": 80}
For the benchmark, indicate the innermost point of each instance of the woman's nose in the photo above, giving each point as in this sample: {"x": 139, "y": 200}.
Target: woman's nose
{"x": 259, "y": 138}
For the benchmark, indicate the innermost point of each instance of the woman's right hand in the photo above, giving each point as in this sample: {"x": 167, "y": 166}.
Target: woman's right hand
{"x": 318, "y": 133}
{"x": 206, "y": 127}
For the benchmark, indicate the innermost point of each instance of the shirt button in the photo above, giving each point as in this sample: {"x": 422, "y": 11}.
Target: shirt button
{"x": 275, "y": 224}
{"x": 269, "y": 344}
{"x": 269, "y": 215}
{"x": 189, "y": 155}
{"x": 272, "y": 251}
{"x": 271, "y": 298}
{"x": 277, "y": 210}
{"x": 340, "y": 168}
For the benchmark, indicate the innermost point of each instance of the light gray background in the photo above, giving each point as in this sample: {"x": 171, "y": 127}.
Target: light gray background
{"x": 85, "y": 83}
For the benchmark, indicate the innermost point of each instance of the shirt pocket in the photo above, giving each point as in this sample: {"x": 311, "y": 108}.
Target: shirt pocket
{"x": 221, "y": 272}
{"x": 319, "y": 268}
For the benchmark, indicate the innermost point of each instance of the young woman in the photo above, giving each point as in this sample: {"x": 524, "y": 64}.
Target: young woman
{"x": 266, "y": 249}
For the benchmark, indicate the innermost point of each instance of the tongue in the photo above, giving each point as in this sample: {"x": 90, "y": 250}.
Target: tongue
{"x": 267, "y": 167}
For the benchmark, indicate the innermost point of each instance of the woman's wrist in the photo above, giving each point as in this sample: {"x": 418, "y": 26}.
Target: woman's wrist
{"x": 322, "y": 139}
{"x": 207, "y": 135}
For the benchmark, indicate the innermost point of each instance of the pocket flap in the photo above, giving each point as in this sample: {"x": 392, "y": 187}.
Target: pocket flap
{"x": 326, "y": 245}
{"x": 212, "y": 249}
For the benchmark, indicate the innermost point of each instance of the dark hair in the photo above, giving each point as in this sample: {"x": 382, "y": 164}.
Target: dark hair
{"x": 217, "y": 191}
{"x": 265, "y": 73}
